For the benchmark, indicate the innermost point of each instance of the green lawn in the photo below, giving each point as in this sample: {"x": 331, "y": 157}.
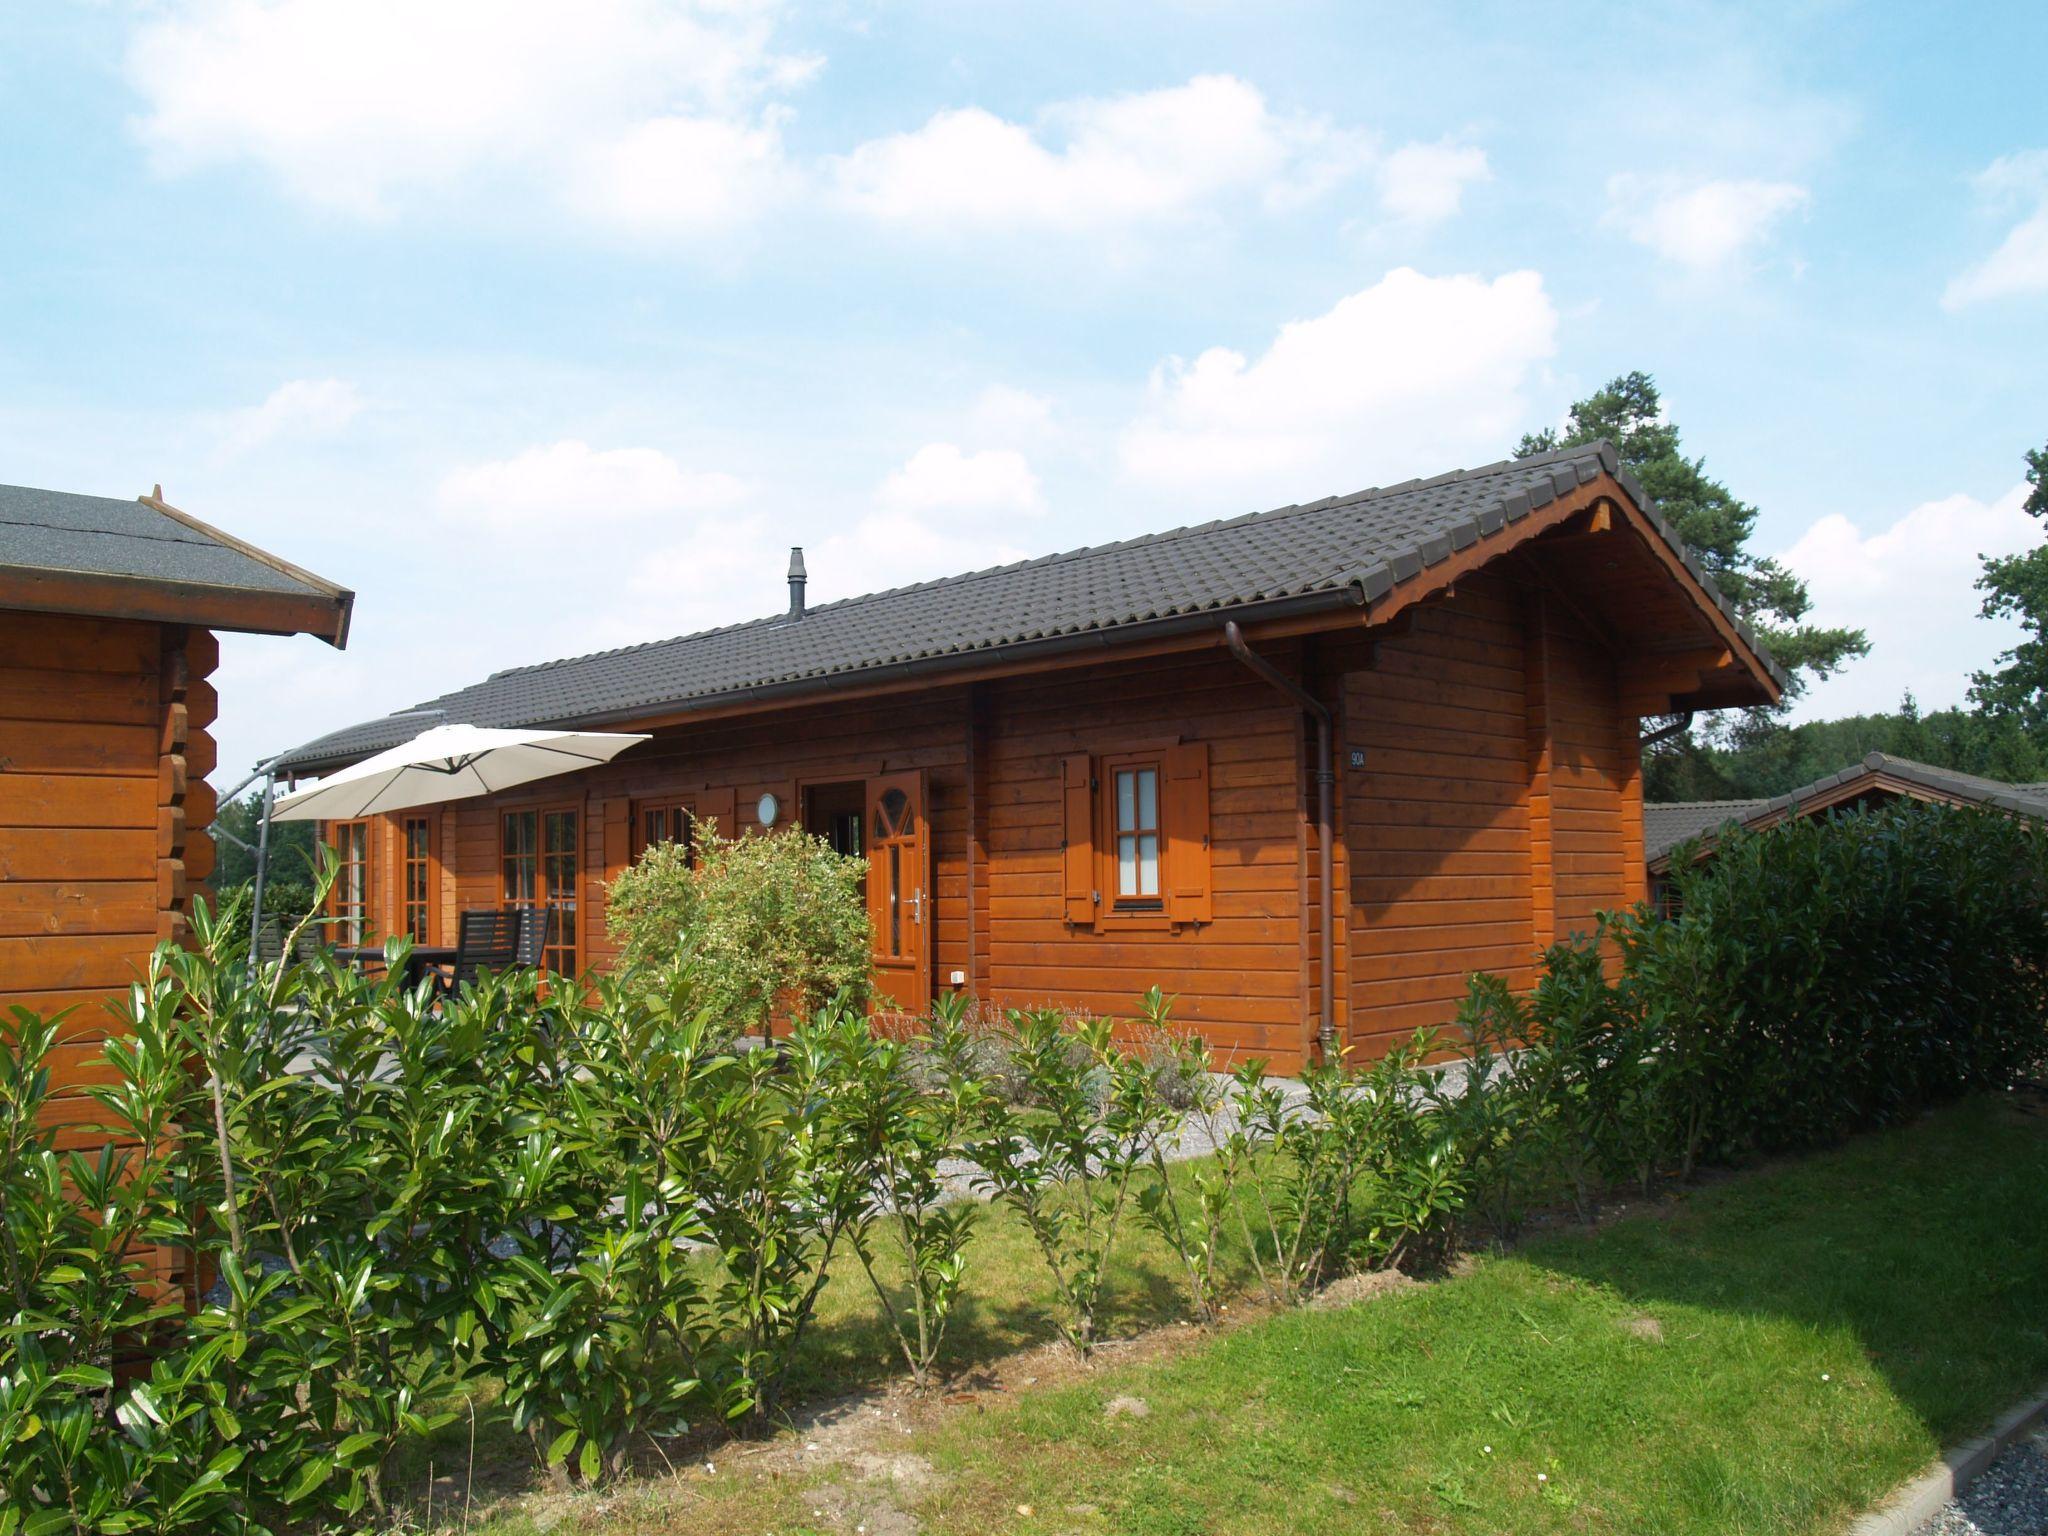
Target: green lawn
{"x": 1769, "y": 1353}
{"x": 1826, "y": 1327}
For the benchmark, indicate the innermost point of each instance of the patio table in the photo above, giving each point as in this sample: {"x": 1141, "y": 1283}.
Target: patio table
{"x": 424, "y": 957}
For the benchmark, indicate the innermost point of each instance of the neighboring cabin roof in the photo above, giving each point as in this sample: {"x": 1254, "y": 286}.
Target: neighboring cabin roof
{"x": 61, "y": 552}
{"x": 1666, "y": 826}
{"x": 1345, "y": 550}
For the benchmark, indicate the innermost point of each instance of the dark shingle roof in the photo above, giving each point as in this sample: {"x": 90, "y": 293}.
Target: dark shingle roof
{"x": 1666, "y": 826}
{"x": 100, "y": 536}
{"x": 1343, "y": 549}
{"x": 49, "y": 537}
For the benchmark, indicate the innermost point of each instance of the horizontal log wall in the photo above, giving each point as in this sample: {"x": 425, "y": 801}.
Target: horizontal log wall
{"x": 104, "y": 806}
{"x": 1237, "y": 978}
{"x": 1499, "y": 807}
{"x": 1438, "y": 815}
{"x": 103, "y": 802}
{"x": 995, "y": 761}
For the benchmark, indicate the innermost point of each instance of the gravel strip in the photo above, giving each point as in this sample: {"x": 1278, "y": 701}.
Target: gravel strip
{"x": 2009, "y": 1499}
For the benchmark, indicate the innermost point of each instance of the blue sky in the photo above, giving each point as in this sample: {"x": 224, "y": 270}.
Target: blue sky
{"x": 550, "y": 326}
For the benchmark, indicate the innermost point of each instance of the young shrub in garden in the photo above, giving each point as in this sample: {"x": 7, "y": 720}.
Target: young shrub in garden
{"x": 1578, "y": 1064}
{"x": 1193, "y": 1215}
{"x": 1413, "y": 1182}
{"x": 69, "y": 1228}
{"x": 780, "y": 1181}
{"x": 775, "y": 922}
{"x": 603, "y": 1306}
{"x": 334, "y": 1156}
{"x": 1490, "y": 1115}
{"x": 908, "y": 1105}
{"x": 1676, "y": 995}
{"x": 1300, "y": 1214}
{"x": 603, "y": 1349}
{"x": 1064, "y": 1158}
{"x": 1360, "y": 1170}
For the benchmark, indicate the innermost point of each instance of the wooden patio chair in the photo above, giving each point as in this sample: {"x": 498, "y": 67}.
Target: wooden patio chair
{"x": 270, "y": 942}
{"x": 487, "y": 939}
{"x": 536, "y": 933}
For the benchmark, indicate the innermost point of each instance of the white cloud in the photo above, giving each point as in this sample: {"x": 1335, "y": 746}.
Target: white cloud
{"x": 2020, "y": 264}
{"x": 1405, "y": 377}
{"x": 1912, "y": 588}
{"x": 944, "y": 511}
{"x": 684, "y": 175}
{"x": 939, "y": 477}
{"x": 570, "y": 479}
{"x": 1701, "y": 225}
{"x": 300, "y": 408}
{"x": 1095, "y": 164}
{"x": 1424, "y": 184}
{"x": 647, "y": 114}
{"x": 664, "y": 120}
{"x": 1007, "y": 416}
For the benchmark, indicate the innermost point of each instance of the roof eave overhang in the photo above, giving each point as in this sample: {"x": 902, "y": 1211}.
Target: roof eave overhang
{"x": 41, "y": 590}
{"x": 1738, "y": 671}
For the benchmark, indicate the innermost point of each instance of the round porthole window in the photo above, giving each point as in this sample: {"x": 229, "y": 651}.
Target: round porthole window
{"x": 767, "y": 809}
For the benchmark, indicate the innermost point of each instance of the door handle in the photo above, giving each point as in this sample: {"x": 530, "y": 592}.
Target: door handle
{"x": 917, "y": 905}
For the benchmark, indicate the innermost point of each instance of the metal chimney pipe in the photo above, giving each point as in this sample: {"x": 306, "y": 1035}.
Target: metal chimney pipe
{"x": 797, "y": 577}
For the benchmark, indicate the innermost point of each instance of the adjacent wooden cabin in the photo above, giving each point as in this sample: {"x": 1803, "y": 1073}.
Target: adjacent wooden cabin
{"x": 1879, "y": 779}
{"x": 1149, "y": 762}
{"x": 108, "y": 612}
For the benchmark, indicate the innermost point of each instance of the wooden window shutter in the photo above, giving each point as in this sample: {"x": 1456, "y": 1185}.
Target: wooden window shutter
{"x": 1077, "y": 863}
{"x": 721, "y": 806}
{"x": 1189, "y": 889}
{"x": 618, "y": 837}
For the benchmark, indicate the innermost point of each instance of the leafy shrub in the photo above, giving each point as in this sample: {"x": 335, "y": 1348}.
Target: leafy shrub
{"x": 1362, "y": 1173}
{"x": 1412, "y": 1180}
{"x": 587, "y": 1201}
{"x": 1850, "y": 969}
{"x": 1488, "y": 1114}
{"x": 780, "y": 1181}
{"x": 907, "y": 1105}
{"x": 1065, "y": 1155}
{"x": 1823, "y": 976}
{"x": 771, "y": 922}
{"x": 1193, "y": 1220}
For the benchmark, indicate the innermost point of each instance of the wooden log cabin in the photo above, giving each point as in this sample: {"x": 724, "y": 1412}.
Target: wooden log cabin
{"x": 1146, "y": 762}
{"x": 108, "y": 615}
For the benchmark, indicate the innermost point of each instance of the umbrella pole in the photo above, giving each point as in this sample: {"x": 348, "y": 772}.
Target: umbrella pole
{"x": 262, "y": 869}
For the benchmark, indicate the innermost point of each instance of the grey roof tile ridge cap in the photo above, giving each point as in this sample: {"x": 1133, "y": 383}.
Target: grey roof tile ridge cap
{"x": 1599, "y": 448}
{"x": 1954, "y": 779}
{"x": 1700, "y": 805}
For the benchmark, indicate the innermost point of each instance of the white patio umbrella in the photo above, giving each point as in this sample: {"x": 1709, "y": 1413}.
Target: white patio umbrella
{"x": 449, "y": 762}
